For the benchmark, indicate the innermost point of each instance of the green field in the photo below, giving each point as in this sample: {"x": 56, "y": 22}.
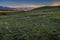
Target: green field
{"x": 30, "y": 25}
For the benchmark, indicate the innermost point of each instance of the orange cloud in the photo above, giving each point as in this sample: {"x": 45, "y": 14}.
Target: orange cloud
{"x": 55, "y": 4}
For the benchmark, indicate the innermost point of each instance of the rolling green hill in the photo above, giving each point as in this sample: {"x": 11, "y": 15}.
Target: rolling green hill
{"x": 37, "y": 24}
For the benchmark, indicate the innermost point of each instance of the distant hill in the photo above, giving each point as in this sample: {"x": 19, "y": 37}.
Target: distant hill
{"x": 44, "y": 8}
{"x": 6, "y": 8}
{"x": 16, "y": 9}
{"x": 48, "y": 8}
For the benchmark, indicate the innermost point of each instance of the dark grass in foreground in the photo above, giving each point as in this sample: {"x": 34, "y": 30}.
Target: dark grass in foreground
{"x": 31, "y": 25}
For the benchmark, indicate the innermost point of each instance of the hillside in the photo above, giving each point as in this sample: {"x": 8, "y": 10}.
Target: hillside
{"x": 48, "y": 8}
{"x": 37, "y": 24}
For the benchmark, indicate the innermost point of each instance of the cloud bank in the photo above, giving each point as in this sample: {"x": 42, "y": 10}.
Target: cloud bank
{"x": 25, "y": 6}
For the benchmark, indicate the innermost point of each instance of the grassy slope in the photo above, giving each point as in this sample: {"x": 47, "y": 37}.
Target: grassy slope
{"x": 31, "y": 25}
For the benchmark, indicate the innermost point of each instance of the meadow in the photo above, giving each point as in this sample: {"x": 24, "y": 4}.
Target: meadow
{"x": 30, "y": 25}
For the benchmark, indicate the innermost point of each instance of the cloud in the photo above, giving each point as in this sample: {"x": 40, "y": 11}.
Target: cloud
{"x": 55, "y": 4}
{"x": 25, "y": 6}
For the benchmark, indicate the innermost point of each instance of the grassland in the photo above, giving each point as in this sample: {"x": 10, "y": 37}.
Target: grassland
{"x": 30, "y": 25}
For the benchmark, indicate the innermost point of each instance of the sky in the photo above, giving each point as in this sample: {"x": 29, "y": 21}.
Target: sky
{"x": 29, "y": 3}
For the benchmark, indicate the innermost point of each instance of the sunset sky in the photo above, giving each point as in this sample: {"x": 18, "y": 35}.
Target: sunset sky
{"x": 29, "y": 3}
